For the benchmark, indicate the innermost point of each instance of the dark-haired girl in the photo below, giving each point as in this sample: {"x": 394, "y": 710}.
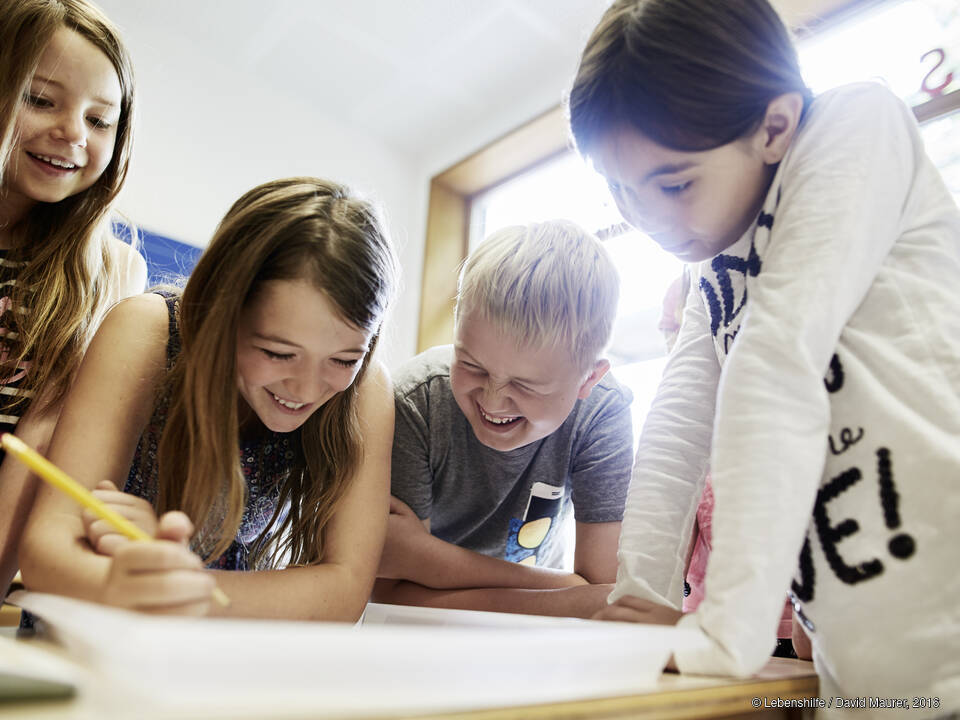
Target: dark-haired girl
{"x": 817, "y": 370}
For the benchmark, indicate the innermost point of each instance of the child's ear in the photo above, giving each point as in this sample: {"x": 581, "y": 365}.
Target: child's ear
{"x": 599, "y": 370}
{"x": 779, "y": 126}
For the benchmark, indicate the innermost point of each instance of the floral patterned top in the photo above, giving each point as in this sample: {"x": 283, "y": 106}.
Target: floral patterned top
{"x": 265, "y": 462}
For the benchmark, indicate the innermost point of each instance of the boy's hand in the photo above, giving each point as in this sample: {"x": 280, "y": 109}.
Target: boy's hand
{"x": 633, "y": 609}
{"x": 100, "y": 534}
{"x": 405, "y": 534}
{"x": 161, "y": 577}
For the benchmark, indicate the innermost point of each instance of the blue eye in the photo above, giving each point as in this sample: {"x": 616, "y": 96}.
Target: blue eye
{"x": 676, "y": 189}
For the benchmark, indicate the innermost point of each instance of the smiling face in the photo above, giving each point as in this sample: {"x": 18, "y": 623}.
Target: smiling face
{"x": 693, "y": 204}
{"x": 66, "y": 125}
{"x": 513, "y": 396}
{"x": 294, "y": 353}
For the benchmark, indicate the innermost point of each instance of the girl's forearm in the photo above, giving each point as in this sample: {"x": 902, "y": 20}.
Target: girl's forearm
{"x": 329, "y": 592}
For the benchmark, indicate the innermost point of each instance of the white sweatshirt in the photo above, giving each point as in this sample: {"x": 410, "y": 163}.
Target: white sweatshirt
{"x": 834, "y": 419}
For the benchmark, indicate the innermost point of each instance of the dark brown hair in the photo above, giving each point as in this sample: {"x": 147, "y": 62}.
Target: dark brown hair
{"x": 688, "y": 74}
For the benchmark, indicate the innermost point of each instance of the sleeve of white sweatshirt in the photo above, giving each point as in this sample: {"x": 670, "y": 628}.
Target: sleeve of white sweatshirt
{"x": 671, "y": 460}
{"x": 846, "y": 180}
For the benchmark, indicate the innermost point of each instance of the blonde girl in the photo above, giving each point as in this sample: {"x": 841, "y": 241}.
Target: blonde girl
{"x": 66, "y": 101}
{"x": 252, "y": 406}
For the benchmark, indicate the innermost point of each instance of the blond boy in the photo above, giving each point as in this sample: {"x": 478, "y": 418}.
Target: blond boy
{"x": 500, "y": 435}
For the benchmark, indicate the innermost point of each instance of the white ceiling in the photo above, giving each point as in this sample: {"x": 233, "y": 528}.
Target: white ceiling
{"x": 418, "y": 74}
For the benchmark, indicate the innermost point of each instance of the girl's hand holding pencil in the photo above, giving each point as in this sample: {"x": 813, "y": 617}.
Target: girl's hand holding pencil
{"x": 159, "y": 574}
{"x": 161, "y": 577}
{"x": 103, "y": 535}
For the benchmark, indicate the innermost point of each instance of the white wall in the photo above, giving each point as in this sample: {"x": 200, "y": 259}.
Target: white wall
{"x": 204, "y": 136}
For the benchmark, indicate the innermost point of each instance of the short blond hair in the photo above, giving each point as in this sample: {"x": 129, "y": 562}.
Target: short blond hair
{"x": 549, "y": 284}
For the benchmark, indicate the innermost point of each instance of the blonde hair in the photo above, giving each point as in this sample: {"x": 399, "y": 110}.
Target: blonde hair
{"x": 296, "y": 228}
{"x": 546, "y": 284}
{"x": 70, "y": 274}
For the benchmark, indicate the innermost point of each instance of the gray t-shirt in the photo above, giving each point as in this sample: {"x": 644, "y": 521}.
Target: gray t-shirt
{"x": 508, "y": 505}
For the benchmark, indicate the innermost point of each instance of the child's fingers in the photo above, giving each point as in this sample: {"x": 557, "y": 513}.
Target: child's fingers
{"x": 120, "y": 500}
{"x": 95, "y": 528}
{"x": 133, "y": 508}
{"x": 137, "y": 557}
{"x": 106, "y": 485}
{"x": 108, "y": 543}
{"x": 102, "y": 536}
{"x": 162, "y": 577}
{"x": 175, "y": 526}
{"x": 169, "y": 590}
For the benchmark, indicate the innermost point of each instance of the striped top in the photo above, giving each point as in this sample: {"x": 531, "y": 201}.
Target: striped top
{"x": 9, "y": 417}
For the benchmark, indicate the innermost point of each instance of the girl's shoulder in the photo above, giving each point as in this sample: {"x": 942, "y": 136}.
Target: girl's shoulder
{"x": 857, "y": 111}
{"x": 140, "y": 323}
{"x": 128, "y": 353}
{"x": 860, "y": 98}
{"x": 375, "y": 392}
{"x": 376, "y": 380}
{"x": 844, "y": 126}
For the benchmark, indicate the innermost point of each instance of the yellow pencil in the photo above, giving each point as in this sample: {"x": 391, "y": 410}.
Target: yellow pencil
{"x": 63, "y": 482}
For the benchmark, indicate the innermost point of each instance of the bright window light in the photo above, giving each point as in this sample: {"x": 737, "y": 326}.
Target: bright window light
{"x": 888, "y": 43}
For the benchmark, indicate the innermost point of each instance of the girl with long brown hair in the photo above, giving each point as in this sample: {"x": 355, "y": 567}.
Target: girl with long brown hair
{"x": 66, "y": 101}
{"x": 251, "y": 408}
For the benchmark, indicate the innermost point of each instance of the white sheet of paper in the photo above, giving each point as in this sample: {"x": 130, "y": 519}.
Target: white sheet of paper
{"x": 398, "y": 661}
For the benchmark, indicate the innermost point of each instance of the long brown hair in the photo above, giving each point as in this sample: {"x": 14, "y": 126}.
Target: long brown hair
{"x": 71, "y": 274}
{"x": 296, "y": 228}
{"x": 689, "y": 74}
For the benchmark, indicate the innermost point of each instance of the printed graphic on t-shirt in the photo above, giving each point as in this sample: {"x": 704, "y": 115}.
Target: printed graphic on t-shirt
{"x": 723, "y": 283}
{"x": 526, "y": 535}
{"x": 857, "y": 524}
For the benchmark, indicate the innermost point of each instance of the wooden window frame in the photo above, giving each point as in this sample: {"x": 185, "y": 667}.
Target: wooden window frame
{"x": 448, "y": 215}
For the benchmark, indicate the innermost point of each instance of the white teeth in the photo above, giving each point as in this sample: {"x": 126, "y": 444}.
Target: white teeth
{"x": 498, "y": 421}
{"x": 287, "y": 403}
{"x": 56, "y": 161}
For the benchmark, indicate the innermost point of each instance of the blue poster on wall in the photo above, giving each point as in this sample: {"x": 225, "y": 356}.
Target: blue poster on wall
{"x": 169, "y": 261}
